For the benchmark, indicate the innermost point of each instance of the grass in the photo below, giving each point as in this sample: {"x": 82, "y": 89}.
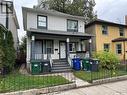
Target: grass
{"x": 101, "y": 74}
{"x": 16, "y": 82}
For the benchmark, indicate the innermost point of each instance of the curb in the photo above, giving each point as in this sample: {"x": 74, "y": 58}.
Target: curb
{"x": 43, "y": 90}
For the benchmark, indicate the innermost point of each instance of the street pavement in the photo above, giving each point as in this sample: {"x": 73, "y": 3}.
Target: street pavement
{"x": 116, "y": 88}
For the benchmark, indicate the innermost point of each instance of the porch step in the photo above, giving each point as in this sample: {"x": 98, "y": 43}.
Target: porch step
{"x": 57, "y": 61}
{"x": 61, "y": 70}
{"x": 60, "y": 66}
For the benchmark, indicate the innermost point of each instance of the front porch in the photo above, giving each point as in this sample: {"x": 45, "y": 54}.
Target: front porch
{"x": 55, "y": 47}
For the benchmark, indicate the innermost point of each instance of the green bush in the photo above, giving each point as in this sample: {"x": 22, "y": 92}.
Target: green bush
{"x": 7, "y": 51}
{"x": 107, "y": 60}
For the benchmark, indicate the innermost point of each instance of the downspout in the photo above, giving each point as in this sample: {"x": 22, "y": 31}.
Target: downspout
{"x": 124, "y": 56}
{"x": 7, "y": 21}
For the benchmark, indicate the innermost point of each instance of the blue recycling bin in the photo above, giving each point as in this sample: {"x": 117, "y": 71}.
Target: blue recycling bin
{"x": 76, "y": 64}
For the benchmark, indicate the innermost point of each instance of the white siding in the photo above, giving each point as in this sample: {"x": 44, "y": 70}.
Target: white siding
{"x": 31, "y": 20}
{"x": 54, "y": 22}
{"x": 13, "y": 29}
{"x": 57, "y": 23}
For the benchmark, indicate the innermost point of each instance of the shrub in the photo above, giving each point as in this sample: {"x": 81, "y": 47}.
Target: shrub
{"x": 7, "y": 51}
{"x": 107, "y": 59}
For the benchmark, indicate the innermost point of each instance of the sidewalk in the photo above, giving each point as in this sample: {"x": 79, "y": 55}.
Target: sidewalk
{"x": 117, "y": 88}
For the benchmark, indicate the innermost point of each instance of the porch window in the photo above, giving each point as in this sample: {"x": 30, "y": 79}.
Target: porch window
{"x": 42, "y": 22}
{"x": 106, "y": 47}
{"x": 72, "y": 25}
{"x": 104, "y": 29}
{"x": 72, "y": 47}
{"x": 118, "y": 48}
{"x": 121, "y": 31}
{"x": 48, "y": 47}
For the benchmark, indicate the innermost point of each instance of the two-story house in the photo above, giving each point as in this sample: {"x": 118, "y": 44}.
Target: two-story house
{"x": 9, "y": 20}
{"x": 53, "y": 33}
{"x": 109, "y": 36}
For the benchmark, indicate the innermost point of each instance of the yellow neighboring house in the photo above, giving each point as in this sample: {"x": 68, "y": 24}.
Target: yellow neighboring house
{"x": 109, "y": 36}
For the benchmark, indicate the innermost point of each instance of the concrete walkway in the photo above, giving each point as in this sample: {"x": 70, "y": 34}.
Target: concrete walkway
{"x": 117, "y": 88}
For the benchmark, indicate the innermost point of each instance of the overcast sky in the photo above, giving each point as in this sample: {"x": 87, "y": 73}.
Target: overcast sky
{"x": 111, "y": 10}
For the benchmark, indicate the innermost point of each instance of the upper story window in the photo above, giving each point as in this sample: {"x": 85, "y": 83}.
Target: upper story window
{"x": 121, "y": 31}
{"x": 106, "y": 47}
{"x": 119, "y": 48}
{"x": 42, "y": 22}
{"x": 72, "y": 25}
{"x": 104, "y": 29}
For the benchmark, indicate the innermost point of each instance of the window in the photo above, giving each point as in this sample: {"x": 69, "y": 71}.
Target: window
{"x": 106, "y": 47}
{"x": 121, "y": 31}
{"x": 72, "y": 47}
{"x": 48, "y": 47}
{"x": 72, "y": 25}
{"x": 42, "y": 22}
{"x": 118, "y": 48}
{"x": 104, "y": 29}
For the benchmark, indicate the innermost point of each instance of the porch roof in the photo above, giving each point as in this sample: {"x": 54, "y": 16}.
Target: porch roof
{"x": 60, "y": 33}
{"x": 119, "y": 39}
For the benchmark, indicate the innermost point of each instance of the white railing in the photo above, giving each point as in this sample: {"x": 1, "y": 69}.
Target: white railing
{"x": 39, "y": 56}
{"x": 69, "y": 61}
{"x": 43, "y": 57}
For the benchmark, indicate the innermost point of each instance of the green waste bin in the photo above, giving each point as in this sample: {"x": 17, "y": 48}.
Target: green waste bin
{"x": 86, "y": 64}
{"x": 35, "y": 67}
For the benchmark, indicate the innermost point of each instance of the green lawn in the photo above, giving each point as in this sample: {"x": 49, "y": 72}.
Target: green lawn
{"x": 15, "y": 82}
{"x": 89, "y": 76}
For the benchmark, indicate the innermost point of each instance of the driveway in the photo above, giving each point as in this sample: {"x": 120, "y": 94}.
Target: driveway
{"x": 117, "y": 88}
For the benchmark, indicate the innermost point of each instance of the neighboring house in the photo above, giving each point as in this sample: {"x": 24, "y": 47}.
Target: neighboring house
{"x": 12, "y": 23}
{"x": 51, "y": 32}
{"x": 109, "y": 36}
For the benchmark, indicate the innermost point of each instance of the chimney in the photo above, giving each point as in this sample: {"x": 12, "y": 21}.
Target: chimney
{"x": 126, "y": 19}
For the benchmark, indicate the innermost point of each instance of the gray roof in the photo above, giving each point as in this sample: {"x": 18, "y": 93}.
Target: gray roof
{"x": 60, "y": 33}
{"x": 50, "y": 12}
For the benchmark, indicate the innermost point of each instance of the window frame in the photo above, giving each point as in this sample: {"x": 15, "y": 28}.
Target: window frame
{"x": 41, "y": 27}
{"x": 105, "y": 48}
{"x": 117, "y": 50}
{"x": 72, "y": 46}
{"x": 71, "y": 30}
{"x": 121, "y": 31}
{"x": 103, "y": 31}
{"x": 45, "y": 46}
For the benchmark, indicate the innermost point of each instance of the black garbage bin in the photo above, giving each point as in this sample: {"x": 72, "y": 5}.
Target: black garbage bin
{"x": 45, "y": 65}
{"x": 94, "y": 65}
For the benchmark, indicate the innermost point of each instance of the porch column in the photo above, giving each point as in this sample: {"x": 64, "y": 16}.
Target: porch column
{"x": 33, "y": 47}
{"x": 90, "y": 47}
{"x": 68, "y": 53}
{"x": 28, "y": 55}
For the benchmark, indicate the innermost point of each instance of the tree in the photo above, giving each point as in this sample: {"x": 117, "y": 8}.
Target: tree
{"x": 22, "y": 46}
{"x": 2, "y": 54}
{"x": 88, "y": 11}
{"x": 75, "y": 7}
{"x": 10, "y": 52}
{"x": 58, "y": 5}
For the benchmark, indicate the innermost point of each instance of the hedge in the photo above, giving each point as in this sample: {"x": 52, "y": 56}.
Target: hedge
{"x": 7, "y": 51}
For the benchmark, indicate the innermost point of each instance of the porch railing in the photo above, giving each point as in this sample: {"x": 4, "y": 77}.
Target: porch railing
{"x": 40, "y": 56}
{"x": 69, "y": 61}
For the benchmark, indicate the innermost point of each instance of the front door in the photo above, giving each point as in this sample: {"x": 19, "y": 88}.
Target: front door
{"x": 62, "y": 50}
